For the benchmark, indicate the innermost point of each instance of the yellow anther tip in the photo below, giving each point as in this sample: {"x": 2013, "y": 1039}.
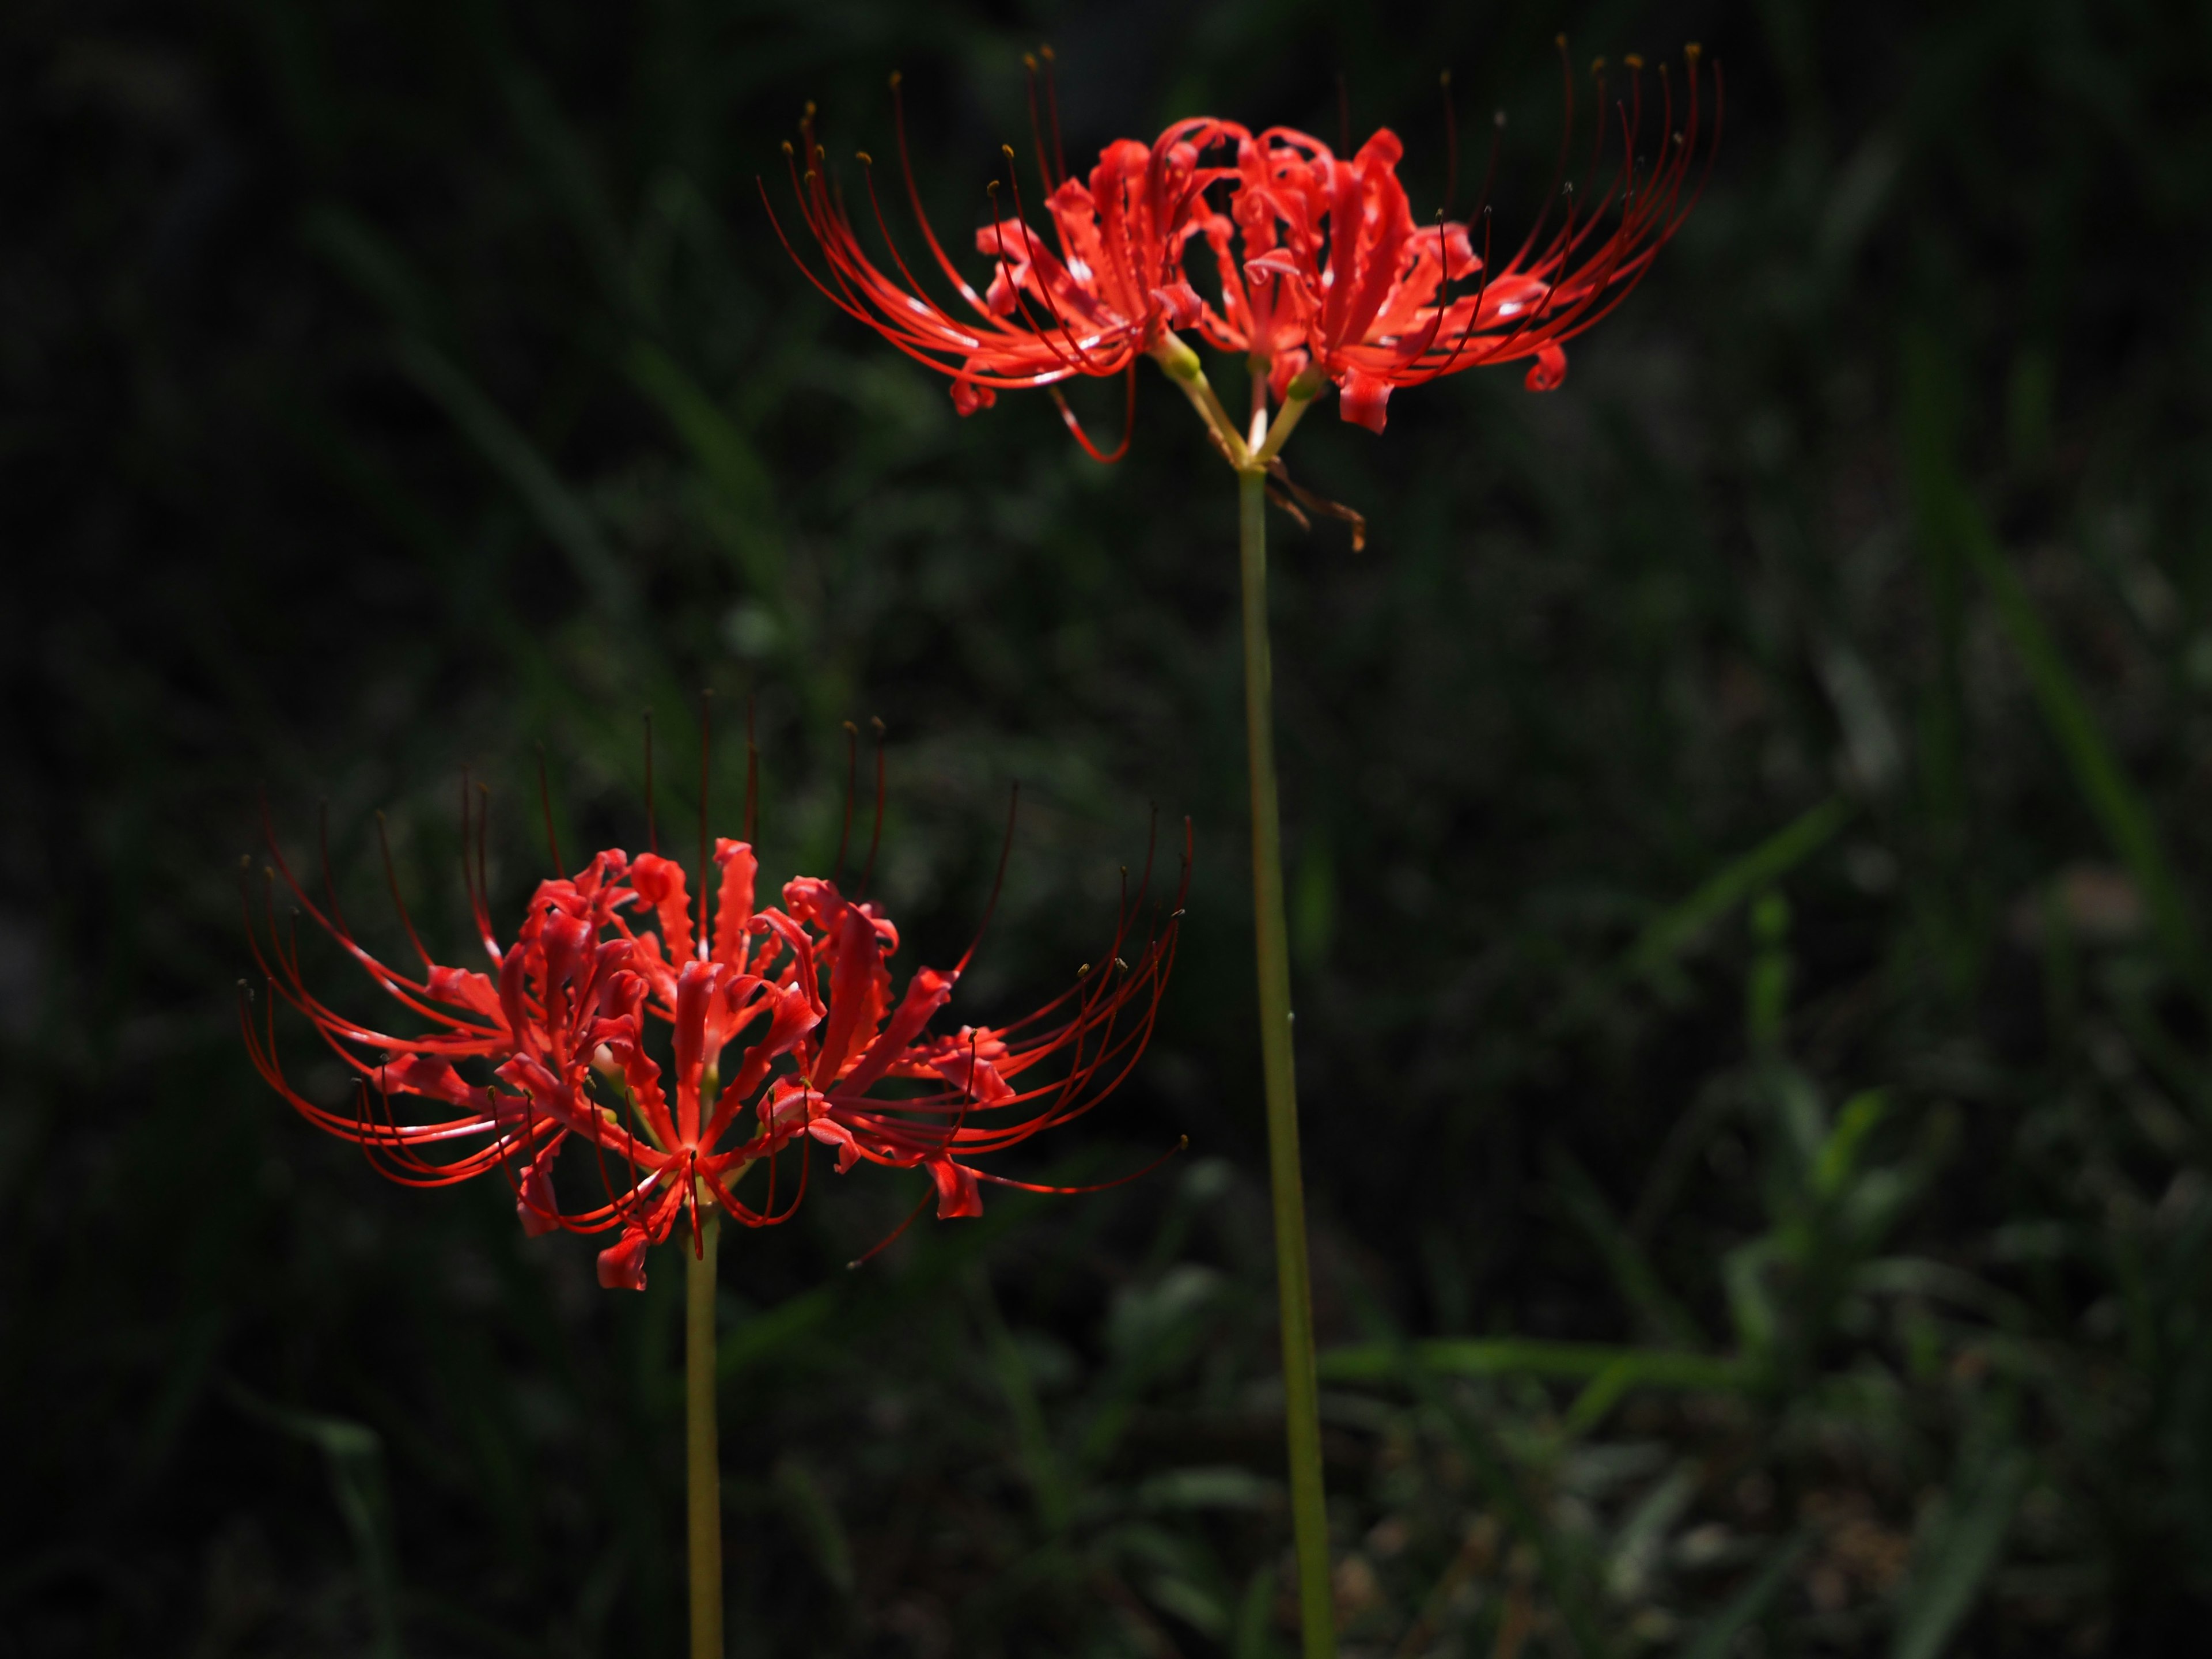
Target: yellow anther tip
{"x": 1045, "y": 52}
{"x": 1597, "y": 66}
{"x": 866, "y": 160}
{"x": 1006, "y": 151}
{"x": 1634, "y": 60}
{"x": 1693, "y": 52}
{"x": 1029, "y": 60}
{"x": 895, "y": 78}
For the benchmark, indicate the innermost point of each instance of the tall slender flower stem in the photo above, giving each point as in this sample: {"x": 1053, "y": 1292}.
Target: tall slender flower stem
{"x": 702, "y": 1447}
{"x": 1293, "y": 1280}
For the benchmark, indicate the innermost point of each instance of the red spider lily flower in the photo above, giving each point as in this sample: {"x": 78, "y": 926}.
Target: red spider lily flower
{"x": 555, "y": 1046}
{"x": 1323, "y": 267}
{"x": 1105, "y": 288}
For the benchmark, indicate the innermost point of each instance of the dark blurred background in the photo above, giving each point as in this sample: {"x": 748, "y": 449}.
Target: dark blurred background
{"x": 1746, "y": 813}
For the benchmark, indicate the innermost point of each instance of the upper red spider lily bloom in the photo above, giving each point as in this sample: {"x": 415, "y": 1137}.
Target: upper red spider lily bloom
{"x": 1322, "y": 265}
{"x": 1106, "y": 288}
{"x": 560, "y": 1035}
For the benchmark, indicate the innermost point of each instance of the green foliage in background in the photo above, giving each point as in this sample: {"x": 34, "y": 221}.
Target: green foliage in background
{"x": 1747, "y": 825}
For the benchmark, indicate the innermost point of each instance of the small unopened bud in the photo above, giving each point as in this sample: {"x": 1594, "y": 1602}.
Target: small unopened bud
{"x": 1309, "y": 382}
{"x": 1178, "y": 359}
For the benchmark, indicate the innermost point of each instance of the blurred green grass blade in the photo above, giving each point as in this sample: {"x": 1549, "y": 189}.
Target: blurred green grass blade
{"x": 1599, "y": 1396}
{"x": 1751, "y": 1301}
{"x": 762, "y": 1337}
{"x": 1944, "y": 1589}
{"x": 372, "y": 265}
{"x": 1667, "y": 935}
{"x": 1566, "y": 1577}
{"x": 568, "y": 170}
{"x": 817, "y": 1522}
{"x": 1716, "y": 1638}
{"x": 855, "y": 1304}
{"x": 1373, "y": 1362}
{"x": 1565, "y": 1564}
{"x": 560, "y": 514}
{"x": 353, "y": 1454}
{"x": 191, "y": 1354}
{"x": 726, "y": 458}
{"x": 381, "y": 274}
{"x": 1949, "y": 518}
{"x": 1153, "y": 1331}
{"x": 1033, "y": 1446}
{"x": 1208, "y": 1486}
{"x": 1838, "y": 1155}
{"x": 1632, "y": 1272}
{"x": 2119, "y": 809}
{"x": 1253, "y": 1638}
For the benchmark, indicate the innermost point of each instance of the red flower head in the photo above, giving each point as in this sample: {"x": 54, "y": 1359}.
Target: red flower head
{"x": 1321, "y": 264}
{"x": 557, "y": 1045}
{"x": 1106, "y": 288}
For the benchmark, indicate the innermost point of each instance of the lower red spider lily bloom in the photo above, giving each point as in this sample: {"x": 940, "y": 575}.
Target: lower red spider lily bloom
{"x": 1105, "y": 287}
{"x": 1321, "y": 264}
{"x": 554, "y": 1047}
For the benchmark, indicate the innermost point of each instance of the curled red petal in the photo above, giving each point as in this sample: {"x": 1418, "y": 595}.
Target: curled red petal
{"x": 1365, "y": 398}
{"x": 622, "y": 1264}
{"x": 1548, "y": 370}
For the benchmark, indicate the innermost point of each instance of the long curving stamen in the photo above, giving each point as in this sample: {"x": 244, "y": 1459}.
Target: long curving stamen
{"x": 752, "y": 773}
{"x": 484, "y": 870}
{"x": 851, "y": 783}
{"x": 545, "y": 802}
{"x": 875, "y": 835}
{"x": 391, "y": 879}
{"x": 1052, "y": 109}
{"x": 997, "y": 881}
{"x": 914, "y": 195}
{"x": 330, "y": 890}
{"x": 706, "y": 759}
{"x": 1036, "y": 130}
{"x": 892, "y": 1237}
{"x": 1128, "y": 420}
{"x": 1451, "y": 143}
{"x": 999, "y": 233}
{"x": 1183, "y": 1145}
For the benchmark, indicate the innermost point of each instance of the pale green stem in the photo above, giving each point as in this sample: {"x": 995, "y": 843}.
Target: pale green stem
{"x": 1293, "y": 1280}
{"x": 1189, "y": 375}
{"x": 1286, "y": 419}
{"x": 702, "y": 1447}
